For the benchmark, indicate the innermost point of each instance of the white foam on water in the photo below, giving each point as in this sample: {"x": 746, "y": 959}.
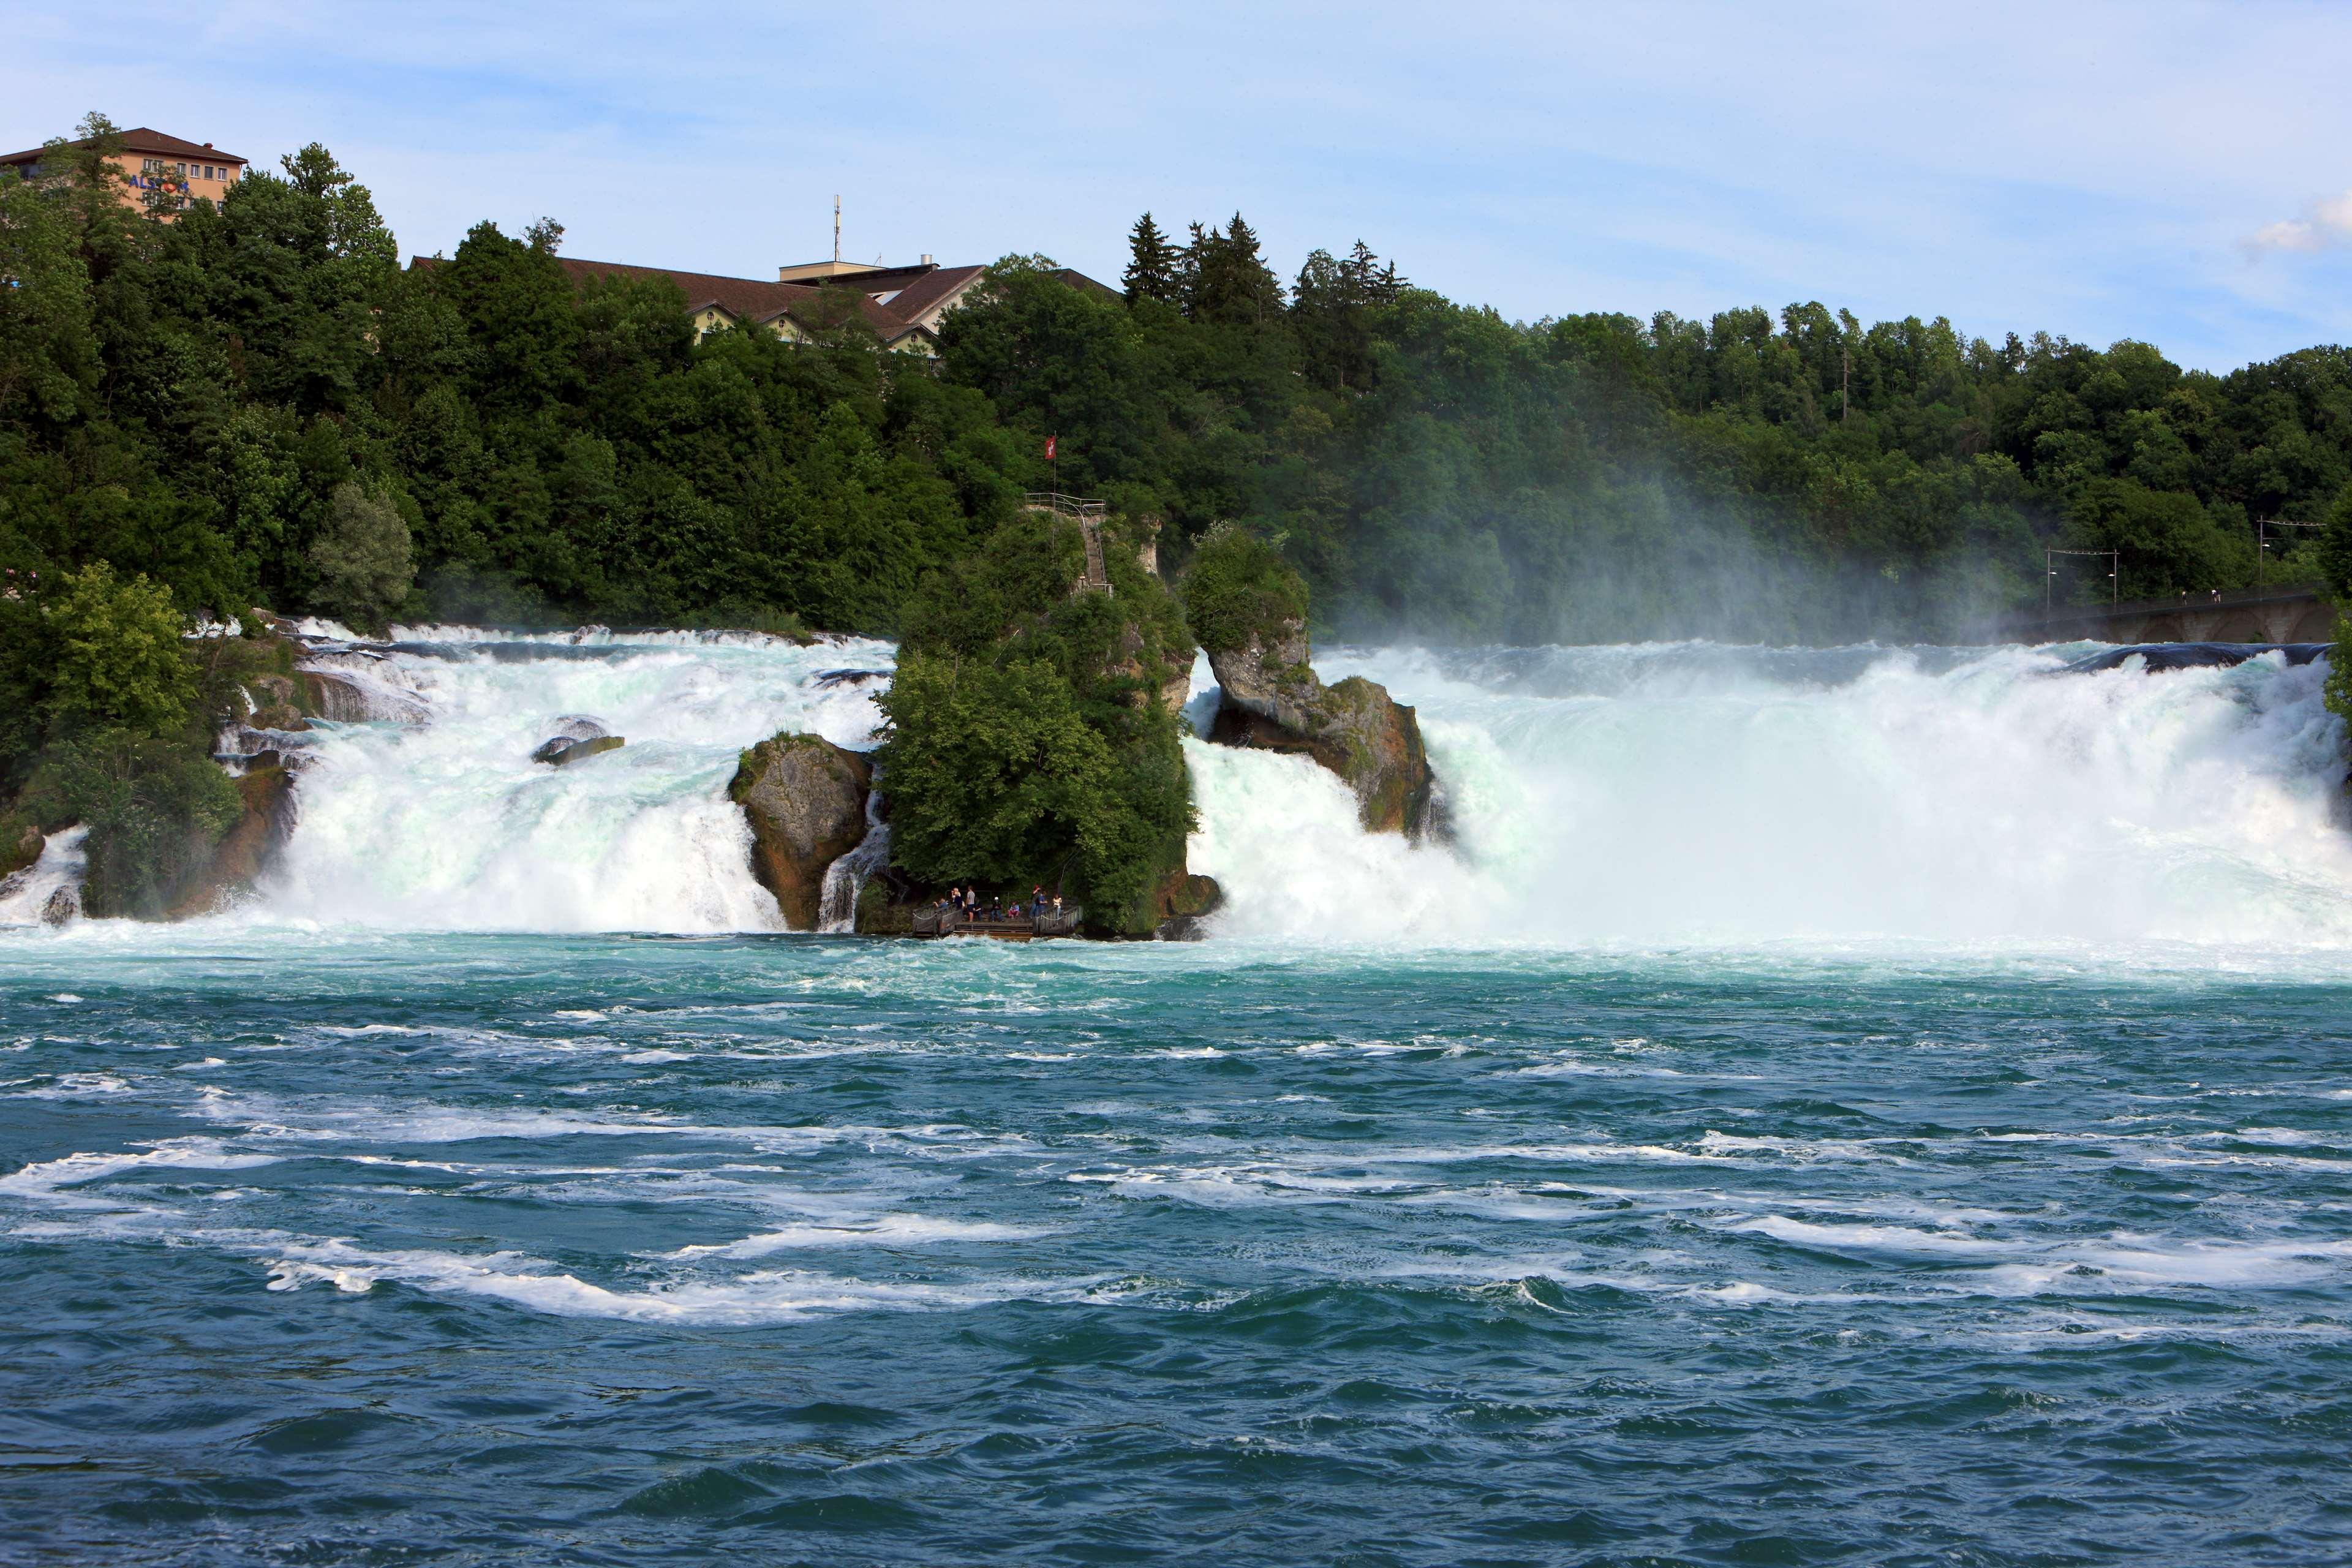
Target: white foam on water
{"x": 63, "y": 1181}
{"x": 765, "y": 1296}
{"x": 880, "y": 1230}
{"x": 449, "y": 825}
{"x": 1730, "y": 797}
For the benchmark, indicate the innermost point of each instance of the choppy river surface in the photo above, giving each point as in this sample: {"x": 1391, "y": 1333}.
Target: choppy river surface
{"x": 1962, "y": 1175}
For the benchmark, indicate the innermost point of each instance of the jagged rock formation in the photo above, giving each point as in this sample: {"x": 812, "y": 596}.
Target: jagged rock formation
{"x": 275, "y": 704}
{"x": 1248, "y": 608}
{"x": 1273, "y": 702}
{"x": 805, "y": 798}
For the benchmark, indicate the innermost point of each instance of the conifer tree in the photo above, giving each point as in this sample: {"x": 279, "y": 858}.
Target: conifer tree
{"x": 1151, "y": 268}
{"x": 1231, "y": 282}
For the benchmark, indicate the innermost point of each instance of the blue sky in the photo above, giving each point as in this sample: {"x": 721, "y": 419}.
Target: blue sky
{"x": 2181, "y": 173}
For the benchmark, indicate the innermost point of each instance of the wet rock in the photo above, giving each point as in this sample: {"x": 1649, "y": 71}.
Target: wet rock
{"x": 1184, "y": 903}
{"x": 275, "y": 704}
{"x": 250, "y": 846}
{"x": 2158, "y": 658}
{"x": 834, "y": 679}
{"x": 333, "y": 697}
{"x": 571, "y": 733}
{"x": 1273, "y": 702}
{"x": 805, "y": 798}
{"x": 563, "y": 752}
{"x": 64, "y": 905}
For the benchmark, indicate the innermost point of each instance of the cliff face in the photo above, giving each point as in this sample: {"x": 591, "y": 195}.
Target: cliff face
{"x": 265, "y": 821}
{"x": 805, "y": 798}
{"x": 1273, "y": 702}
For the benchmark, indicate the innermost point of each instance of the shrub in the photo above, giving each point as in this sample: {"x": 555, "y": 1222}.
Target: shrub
{"x": 119, "y": 661}
{"x": 155, "y": 809}
{"x": 363, "y": 559}
{"x": 1238, "y": 588}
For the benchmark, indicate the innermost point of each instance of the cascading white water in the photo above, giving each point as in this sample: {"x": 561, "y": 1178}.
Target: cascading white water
{"x": 1708, "y": 795}
{"x": 447, "y": 823}
{"x": 1641, "y": 796}
{"x": 845, "y": 878}
{"x": 49, "y": 892}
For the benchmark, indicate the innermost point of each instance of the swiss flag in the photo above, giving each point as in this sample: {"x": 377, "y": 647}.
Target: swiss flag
{"x": 1049, "y": 447}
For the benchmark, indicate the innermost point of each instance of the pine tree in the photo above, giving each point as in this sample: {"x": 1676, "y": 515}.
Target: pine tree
{"x": 1231, "y": 282}
{"x": 1152, "y": 266}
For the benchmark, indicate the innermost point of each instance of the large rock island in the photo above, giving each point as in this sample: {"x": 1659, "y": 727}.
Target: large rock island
{"x": 1033, "y": 738}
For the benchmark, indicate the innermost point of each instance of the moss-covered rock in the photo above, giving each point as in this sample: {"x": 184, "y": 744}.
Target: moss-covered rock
{"x": 1033, "y": 739}
{"x": 246, "y": 852}
{"x": 1183, "y": 902}
{"x": 1250, "y": 610}
{"x": 805, "y": 799}
{"x": 20, "y": 842}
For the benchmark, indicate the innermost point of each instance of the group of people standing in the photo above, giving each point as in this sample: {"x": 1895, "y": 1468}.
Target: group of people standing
{"x": 966, "y": 903}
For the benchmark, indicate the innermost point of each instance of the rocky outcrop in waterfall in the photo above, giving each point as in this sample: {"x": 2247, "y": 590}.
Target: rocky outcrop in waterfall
{"x": 576, "y": 738}
{"x": 265, "y": 821}
{"x": 1184, "y": 902}
{"x": 1248, "y": 608}
{"x": 805, "y": 798}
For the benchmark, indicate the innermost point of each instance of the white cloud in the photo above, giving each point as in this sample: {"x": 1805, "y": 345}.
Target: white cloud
{"x": 2325, "y": 224}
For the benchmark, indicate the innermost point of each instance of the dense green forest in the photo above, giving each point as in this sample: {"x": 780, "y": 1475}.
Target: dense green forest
{"x": 257, "y": 404}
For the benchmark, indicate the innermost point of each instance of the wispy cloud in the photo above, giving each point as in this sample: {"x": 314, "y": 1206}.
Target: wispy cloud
{"x": 2325, "y": 224}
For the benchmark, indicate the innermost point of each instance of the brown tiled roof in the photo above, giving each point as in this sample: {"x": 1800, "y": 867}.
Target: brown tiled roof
{"x": 141, "y": 139}
{"x": 747, "y": 299}
{"x": 930, "y": 289}
{"x": 750, "y": 298}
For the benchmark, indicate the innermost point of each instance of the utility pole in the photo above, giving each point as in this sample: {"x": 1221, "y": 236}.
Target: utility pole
{"x": 836, "y": 233}
{"x": 2262, "y": 526}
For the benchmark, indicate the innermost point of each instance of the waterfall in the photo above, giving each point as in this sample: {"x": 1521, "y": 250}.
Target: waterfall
{"x": 837, "y": 899}
{"x": 49, "y": 892}
{"x": 447, "y": 823}
{"x": 1646, "y": 794}
{"x": 1693, "y": 792}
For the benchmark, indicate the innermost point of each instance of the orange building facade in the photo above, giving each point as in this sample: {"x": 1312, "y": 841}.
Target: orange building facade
{"x": 183, "y": 173}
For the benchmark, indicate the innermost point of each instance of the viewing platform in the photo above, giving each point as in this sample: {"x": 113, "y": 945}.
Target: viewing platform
{"x": 1029, "y": 928}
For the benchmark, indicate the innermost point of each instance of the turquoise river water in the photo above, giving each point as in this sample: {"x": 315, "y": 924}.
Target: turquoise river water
{"x": 1863, "y": 1106}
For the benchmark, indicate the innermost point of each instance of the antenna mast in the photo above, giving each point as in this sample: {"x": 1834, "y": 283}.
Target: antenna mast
{"x": 836, "y": 231}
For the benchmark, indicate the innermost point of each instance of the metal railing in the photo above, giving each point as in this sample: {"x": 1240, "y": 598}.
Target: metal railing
{"x": 1068, "y": 506}
{"x": 949, "y": 922}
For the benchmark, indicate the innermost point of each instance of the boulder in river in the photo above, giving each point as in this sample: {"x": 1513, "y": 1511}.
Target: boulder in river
{"x": 265, "y": 794}
{"x": 1273, "y": 702}
{"x": 1184, "y": 902}
{"x": 1248, "y": 608}
{"x": 805, "y": 798}
{"x": 576, "y": 737}
{"x": 562, "y": 754}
